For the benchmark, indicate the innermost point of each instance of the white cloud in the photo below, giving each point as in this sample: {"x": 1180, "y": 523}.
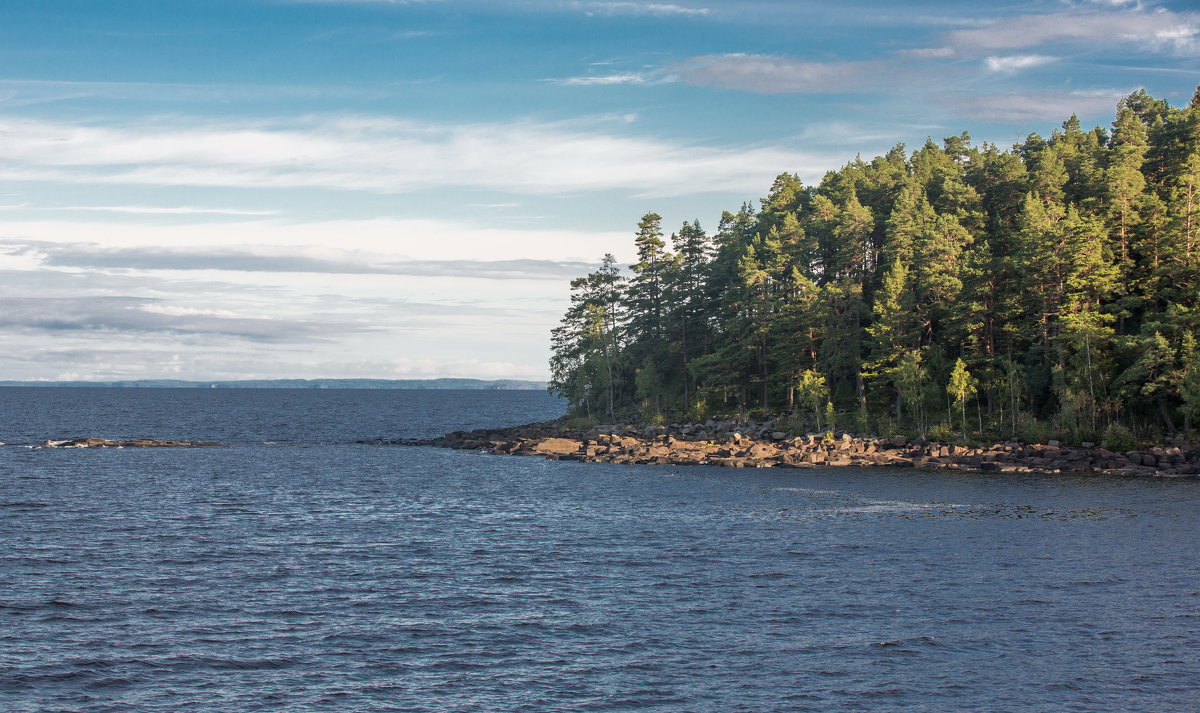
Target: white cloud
{"x": 104, "y": 316}
{"x": 165, "y": 210}
{"x": 180, "y": 311}
{"x": 1032, "y": 106}
{"x": 29, "y": 92}
{"x": 348, "y": 242}
{"x": 387, "y": 155}
{"x": 656, "y": 9}
{"x": 929, "y": 53}
{"x": 1158, "y": 30}
{"x": 274, "y": 259}
{"x": 1015, "y": 63}
{"x": 433, "y": 368}
{"x": 629, "y": 78}
{"x": 767, "y": 74}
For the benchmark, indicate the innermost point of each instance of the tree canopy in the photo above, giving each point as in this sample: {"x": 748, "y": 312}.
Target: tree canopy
{"x": 1053, "y": 285}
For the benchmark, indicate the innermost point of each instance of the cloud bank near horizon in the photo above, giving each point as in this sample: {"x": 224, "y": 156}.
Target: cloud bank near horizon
{"x": 325, "y": 187}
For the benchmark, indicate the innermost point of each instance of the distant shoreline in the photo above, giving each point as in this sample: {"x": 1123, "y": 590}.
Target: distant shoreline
{"x": 417, "y": 384}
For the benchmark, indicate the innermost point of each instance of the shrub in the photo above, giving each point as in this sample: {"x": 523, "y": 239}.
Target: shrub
{"x": 1031, "y": 430}
{"x": 1118, "y": 438}
{"x": 886, "y": 426}
{"x": 1084, "y": 434}
{"x": 942, "y": 433}
{"x": 797, "y": 423}
{"x": 862, "y": 421}
{"x": 580, "y": 423}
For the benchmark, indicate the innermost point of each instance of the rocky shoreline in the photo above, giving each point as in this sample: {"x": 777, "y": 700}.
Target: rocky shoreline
{"x": 760, "y": 445}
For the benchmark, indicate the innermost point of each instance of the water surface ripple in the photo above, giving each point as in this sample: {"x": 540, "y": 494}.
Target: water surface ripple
{"x": 299, "y": 571}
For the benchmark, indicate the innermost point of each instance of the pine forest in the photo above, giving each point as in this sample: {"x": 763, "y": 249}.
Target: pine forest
{"x": 1048, "y": 290}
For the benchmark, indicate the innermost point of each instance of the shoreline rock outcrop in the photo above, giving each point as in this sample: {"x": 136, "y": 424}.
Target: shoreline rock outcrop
{"x": 762, "y": 446}
{"x": 135, "y": 443}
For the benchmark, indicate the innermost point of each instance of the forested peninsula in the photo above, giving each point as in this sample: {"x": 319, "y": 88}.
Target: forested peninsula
{"x": 960, "y": 292}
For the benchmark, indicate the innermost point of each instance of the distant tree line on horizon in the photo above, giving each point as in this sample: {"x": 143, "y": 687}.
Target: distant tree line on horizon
{"x": 1048, "y": 290}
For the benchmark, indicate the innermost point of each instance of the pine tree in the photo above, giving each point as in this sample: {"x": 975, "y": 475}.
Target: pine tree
{"x": 585, "y": 346}
{"x": 689, "y": 301}
{"x": 1125, "y": 183}
{"x": 647, "y": 288}
{"x": 1059, "y": 279}
{"x": 1092, "y": 278}
{"x": 894, "y": 332}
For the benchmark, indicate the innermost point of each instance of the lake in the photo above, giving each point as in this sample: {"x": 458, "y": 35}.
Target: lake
{"x": 297, "y": 570}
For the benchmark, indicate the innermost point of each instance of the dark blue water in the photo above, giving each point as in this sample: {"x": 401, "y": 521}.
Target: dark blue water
{"x": 297, "y": 571}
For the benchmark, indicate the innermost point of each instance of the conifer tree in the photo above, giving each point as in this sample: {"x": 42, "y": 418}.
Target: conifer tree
{"x": 1057, "y": 280}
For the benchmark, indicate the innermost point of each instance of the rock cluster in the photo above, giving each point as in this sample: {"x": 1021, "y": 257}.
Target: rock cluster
{"x": 761, "y": 446}
{"x": 136, "y": 443}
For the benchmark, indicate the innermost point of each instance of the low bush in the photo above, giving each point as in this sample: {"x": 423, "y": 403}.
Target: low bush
{"x": 580, "y": 423}
{"x": 1118, "y": 438}
{"x": 942, "y": 433}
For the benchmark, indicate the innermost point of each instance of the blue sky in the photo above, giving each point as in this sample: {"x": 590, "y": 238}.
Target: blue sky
{"x": 206, "y": 189}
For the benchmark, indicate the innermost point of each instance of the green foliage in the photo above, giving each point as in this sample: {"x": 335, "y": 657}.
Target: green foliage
{"x": 698, "y": 410}
{"x": 961, "y": 387}
{"x": 798, "y": 422}
{"x": 862, "y": 420}
{"x": 884, "y": 425}
{"x": 649, "y": 391}
{"x": 1032, "y": 430}
{"x": 1039, "y": 292}
{"x": 912, "y": 381}
{"x": 580, "y": 423}
{"x": 812, "y": 393}
{"x": 942, "y": 433}
{"x": 1118, "y": 438}
{"x": 653, "y": 419}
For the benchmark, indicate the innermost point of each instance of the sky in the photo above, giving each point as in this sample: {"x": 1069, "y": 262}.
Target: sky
{"x": 225, "y": 189}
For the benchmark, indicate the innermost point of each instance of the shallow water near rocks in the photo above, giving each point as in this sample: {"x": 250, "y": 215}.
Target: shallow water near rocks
{"x": 296, "y": 570}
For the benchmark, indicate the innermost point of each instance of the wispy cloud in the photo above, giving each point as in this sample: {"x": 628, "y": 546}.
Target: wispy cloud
{"x": 766, "y": 74}
{"x": 109, "y": 315}
{"x": 1156, "y": 30}
{"x": 1014, "y": 63}
{"x": 385, "y": 241}
{"x": 928, "y": 53}
{"x": 1031, "y": 106}
{"x": 169, "y": 210}
{"x": 15, "y": 93}
{"x": 414, "y": 34}
{"x": 356, "y": 2}
{"x": 599, "y": 7}
{"x": 387, "y": 155}
{"x": 284, "y": 259}
{"x": 604, "y": 80}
